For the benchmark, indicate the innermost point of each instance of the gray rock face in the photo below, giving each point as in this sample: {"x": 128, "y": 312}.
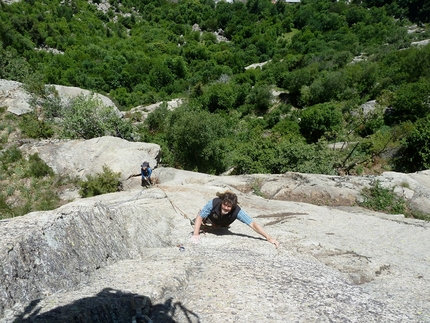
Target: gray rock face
{"x": 336, "y": 190}
{"x": 87, "y": 157}
{"x": 87, "y": 260}
{"x": 67, "y": 93}
{"x": 14, "y": 97}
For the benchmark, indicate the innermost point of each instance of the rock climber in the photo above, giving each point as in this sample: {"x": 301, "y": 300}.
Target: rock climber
{"x": 146, "y": 173}
{"x": 223, "y": 211}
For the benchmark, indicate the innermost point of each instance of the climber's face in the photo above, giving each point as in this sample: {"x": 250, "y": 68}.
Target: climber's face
{"x": 226, "y": 207}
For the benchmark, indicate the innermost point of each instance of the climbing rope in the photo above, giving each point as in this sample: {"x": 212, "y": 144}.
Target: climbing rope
{"x": 175, "y": 207}
{"x": 135, "y": 197}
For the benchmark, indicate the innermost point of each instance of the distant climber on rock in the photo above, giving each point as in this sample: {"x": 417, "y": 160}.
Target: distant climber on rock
{"x": 146, "y": 173}
{"x": 223, "y": 211}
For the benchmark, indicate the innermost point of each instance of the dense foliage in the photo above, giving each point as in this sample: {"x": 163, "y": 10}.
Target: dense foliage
{"x": 326, "y": 57}
{"x": 101, "y": 183}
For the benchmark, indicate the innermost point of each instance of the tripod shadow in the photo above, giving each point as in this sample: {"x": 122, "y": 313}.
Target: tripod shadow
{"x": 165, "y": 312}
{"x": 108, "y": 306}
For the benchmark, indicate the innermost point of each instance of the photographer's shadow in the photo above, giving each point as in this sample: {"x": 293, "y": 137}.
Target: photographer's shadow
{"x": 109, "y": 306}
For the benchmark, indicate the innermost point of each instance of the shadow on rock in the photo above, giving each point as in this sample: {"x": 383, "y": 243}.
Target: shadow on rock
{"x": 108, "y": 306}
{"x": 165, "y": 313}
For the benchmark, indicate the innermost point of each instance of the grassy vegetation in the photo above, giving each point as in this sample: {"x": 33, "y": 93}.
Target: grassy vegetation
{"x": 379, "y": 198}
{"x": 28, "y": 183}
{"x": 383, "y": 199}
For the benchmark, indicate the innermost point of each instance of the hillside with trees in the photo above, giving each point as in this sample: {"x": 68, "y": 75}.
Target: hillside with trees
{"x": 326, "y": 58}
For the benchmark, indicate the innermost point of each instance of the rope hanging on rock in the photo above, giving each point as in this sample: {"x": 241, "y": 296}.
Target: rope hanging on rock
{"x": 175, "y": 207}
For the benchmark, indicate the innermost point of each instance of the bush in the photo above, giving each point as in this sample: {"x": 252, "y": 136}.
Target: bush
{"x": 156, "y": 119}
{"x": 259, "y": 98}
{"x": 31, "y": 126}
{"x": 37, "y": 167}
{"x": 87, "y": 118}
{"x": 378, "y": 198}
{"x": 101, "y": 183}
{"x": 11, "y": 155}
{"x": 410, "y": 102}
{"x": 5, "y": 210}
{"x": 80, "y": 119}
{"x": 195, "y": 139}
{"x": 294, "y": 155}
{"x": 219, "y": 96}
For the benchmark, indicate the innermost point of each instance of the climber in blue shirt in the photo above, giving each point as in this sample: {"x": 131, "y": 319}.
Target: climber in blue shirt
{"x": 146, "y": 173}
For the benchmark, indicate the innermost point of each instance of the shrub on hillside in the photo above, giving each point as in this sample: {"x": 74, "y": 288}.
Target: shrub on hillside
{"x": 34, "y": 127}
{"x": 101, "y": 183}
{"x": 37, "y": 167}
{"x": 86, "y": 117}
{"x": 5, "y": 209}
{"x": 11, "y": 155}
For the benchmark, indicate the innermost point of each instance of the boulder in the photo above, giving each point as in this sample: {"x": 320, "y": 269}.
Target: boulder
{"x": 87, "y": 157}
{"x": 147, "y": 109}
{"x": 421, "y": 43}
{"x": 95, "y": 259}
{"x": 15, "y": 98}
{"x": 67, "y": 93}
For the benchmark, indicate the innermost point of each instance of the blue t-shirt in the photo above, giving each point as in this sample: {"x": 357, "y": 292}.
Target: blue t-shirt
{"x": 146, "y": 173}
{"x": 242, "y": 216}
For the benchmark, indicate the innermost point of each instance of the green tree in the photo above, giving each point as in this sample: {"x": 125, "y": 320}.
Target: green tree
{"x": 320, "y": 120}
{"x": 411, "y": 102}
{"x": 415, "y": 152}
{"x": 260, "y": 98}
{"x": 13, "y": 66}
{"x": 195, "y": 138}
{"x": 80, "y": 118}
{"x": 156, "y": 120}
{"x": 218, "y": 97}
{"x": 295, "y": 155}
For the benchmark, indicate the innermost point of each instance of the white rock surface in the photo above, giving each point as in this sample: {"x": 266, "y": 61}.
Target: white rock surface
{"x": 420, "y": 43}
{"x": 147, "y": 109}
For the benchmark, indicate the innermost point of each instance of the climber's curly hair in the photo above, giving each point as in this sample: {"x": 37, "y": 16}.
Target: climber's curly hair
{"x": 229, "y": 197}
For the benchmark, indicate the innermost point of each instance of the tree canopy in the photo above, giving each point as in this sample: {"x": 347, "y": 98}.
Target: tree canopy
{"x": 320, "y": 61}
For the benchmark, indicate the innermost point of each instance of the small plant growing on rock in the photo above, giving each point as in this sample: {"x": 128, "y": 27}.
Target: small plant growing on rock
{"x": 405, "y": 185}
{"x": 101, "y": 183}
{"x": 379, "y": 198}
{"x": 257, "y": 184}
